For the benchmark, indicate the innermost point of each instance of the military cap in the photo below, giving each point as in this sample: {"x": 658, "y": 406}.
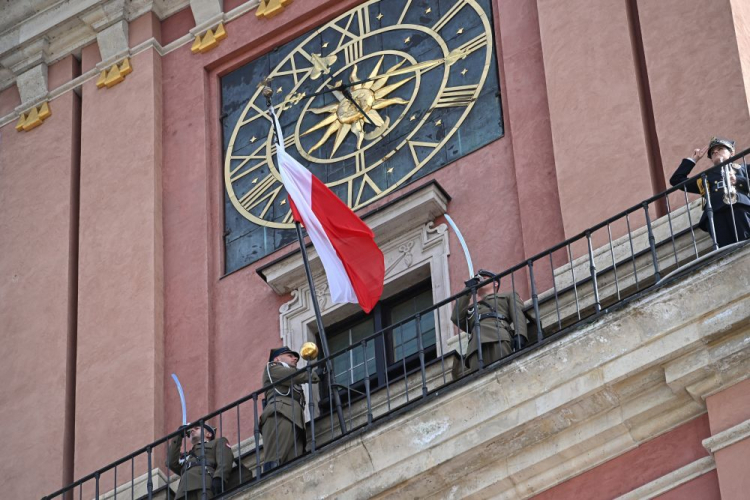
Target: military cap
{"x": 280, "y": 351}
{"x": 720, "y": 141}
{"x": 208, "y": 428}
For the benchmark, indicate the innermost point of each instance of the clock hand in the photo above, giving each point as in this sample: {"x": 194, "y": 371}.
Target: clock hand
{"x": 349, "y": 96}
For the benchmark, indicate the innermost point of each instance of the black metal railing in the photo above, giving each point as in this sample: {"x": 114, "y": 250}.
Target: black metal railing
{"x": 581, "y": 278}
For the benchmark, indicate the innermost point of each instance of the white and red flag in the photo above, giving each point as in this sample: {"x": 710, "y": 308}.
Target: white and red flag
{"x": 354, "y": 264}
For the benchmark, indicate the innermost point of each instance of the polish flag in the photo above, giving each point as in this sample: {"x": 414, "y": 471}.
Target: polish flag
{"x": 354, "y": 264}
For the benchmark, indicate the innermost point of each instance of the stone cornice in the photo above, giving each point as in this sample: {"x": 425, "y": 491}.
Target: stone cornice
{"x": 74, "y": 43}
{"x": 567, "y": 406}
{"x": 671, "y": 481}
{"x": 728, "y": 437}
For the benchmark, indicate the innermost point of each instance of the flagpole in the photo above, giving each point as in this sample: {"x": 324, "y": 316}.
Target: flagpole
{"x": 321, "y": 329}
{"x": 267, "y": 93}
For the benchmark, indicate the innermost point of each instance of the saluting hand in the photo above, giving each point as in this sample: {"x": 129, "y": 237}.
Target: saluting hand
{"x": 698, "y": 154}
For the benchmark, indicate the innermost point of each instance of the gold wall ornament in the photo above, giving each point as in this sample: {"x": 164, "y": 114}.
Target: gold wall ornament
{"x": 209, "y": 40}
{"x": 271, "y": 8}
{"x": 115, "y": 74}
{"x": 34, "y": 117}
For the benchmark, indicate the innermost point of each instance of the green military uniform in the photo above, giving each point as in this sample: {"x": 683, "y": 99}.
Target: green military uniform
{"x": 282, "y": 423}
{"x": 219, "y": 460}
{"x": 498, "y": 317}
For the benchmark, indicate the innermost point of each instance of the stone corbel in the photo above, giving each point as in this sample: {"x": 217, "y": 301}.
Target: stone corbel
{"x": 209, "y": 25}
{"x": 271, "y": 8}
{"x": 209, "y": 39}
{"x": 34, "y": 109}
{"x": 113, "y": 47}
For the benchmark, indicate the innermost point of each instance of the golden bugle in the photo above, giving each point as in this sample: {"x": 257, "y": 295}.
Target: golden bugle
{"x": 309, "y": 351}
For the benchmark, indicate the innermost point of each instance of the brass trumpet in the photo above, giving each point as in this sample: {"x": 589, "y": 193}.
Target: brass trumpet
{"x": 730, "y": 192}
{"x": 309, "y": 351}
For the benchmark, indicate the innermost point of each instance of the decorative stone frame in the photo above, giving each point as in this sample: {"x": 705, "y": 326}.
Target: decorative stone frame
{"x": 414, "y": 250}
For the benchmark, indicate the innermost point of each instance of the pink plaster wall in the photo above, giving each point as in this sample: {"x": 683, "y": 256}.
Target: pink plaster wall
{"x": 729, "y": 407}
{"x": 90, "y": 57}
{"x": 120, "y": 341}
{"x": 597, "y": 129}
{"x": 9, "y": 100}
{"x": 143, "y": 28}
{"x": 695, "y": 76}
{"x": 741, "y": 16}
{"x": 177, "y": 26}
{"x": 37, "y": 169}
{"x": 647, "y": 462}
{"x": 62, "y": 72}
{"x": 527, "y": 123}
{"x": 705, "y": 487}
{"x": 731, "y": 467}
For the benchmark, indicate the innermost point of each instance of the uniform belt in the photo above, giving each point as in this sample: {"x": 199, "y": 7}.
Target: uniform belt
{"x": 493, "y": 316}
{"x": 190, "y": 465}
{"x": 300, "y": 399}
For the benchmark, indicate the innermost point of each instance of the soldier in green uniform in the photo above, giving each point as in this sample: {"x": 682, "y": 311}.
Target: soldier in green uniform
{"x": 218, "y": 464}
{"x": 500, "y": 318}
{"x": 282, "y": 423}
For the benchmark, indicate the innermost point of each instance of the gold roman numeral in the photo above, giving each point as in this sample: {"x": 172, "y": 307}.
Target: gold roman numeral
{"x": 421, "y": 144}
{"x": 359, "y": 161}
{"x": 366, "y": 180}
{"x": 460, "y": 96}
{"x": 288, "y": 218}
{"x": 261, "y": 192}
{"x": 353, "y": 51}
{"x": 449, "y": 15}
{"x": 475, "y": 43}
{"x": 255, "y": 155}
{"x": 299, "y": 74}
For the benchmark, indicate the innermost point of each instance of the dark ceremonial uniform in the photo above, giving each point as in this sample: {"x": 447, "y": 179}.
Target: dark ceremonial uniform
{"x": 500, "y": 316}
{"x": 723, "y": 223}
{"x": 282, "y": 423}
{"x": 219, "y": 459}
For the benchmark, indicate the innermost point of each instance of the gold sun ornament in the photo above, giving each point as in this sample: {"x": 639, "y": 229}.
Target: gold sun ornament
{"x": 344, "y": 117}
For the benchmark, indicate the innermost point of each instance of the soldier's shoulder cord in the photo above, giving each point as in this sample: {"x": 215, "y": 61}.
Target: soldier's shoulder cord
{"x": 268, "y": 372}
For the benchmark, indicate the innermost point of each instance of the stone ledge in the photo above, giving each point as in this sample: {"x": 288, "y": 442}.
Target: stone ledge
{"x": 728, "y": 437}
{"x": 564, "y": 408}
{"x": 671, "y": 481}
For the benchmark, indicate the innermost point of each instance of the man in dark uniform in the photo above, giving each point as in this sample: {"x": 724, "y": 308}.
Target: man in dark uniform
{"x": 282, "y": 423}
{"x": 218, "y": 463}
{"x": 500, "y": 317}
{"x": 730, "y": 224}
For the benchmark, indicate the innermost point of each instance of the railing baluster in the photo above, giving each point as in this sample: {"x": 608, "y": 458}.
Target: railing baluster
{"x": 387, "y": 382}
{"x": 690, "y": 222}
{"x": 632, "y": 252}
{"x": 420, "y": 347}
{"x": 535, "y": 301}
{"x": 149, "y": 481}
{"x": 115, "y": 479}
{"x": 96, "y": 487}
{"x": 592, "y": 272}
{"x": 554, "y": 286}
{"x": 132, "y": 478}
{"x": 477, "y": 326}
{"x": 614, "y": 264}
{"x": 652, "y": 244}
{"x": 439, "y": 341}
{"x": 575, "y": 284}
{"x": 311, "y": 408}
{"x": 671, "y": 232}
{"x": 256, "y": 438}
{"x": 367, "y": 384}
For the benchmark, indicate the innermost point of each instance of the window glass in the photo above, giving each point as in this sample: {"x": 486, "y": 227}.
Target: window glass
{"x": 349, "y": 367}
{"x": 405, "y": 336}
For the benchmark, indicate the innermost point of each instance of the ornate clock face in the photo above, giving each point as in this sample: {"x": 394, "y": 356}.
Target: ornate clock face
{"x": 374, "y": 99}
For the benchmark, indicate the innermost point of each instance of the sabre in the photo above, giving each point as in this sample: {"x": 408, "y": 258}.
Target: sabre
{"x": 463, "y": 245}
{"x": 182, "y": 398}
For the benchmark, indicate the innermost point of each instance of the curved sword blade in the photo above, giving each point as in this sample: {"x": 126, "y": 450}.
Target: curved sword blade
{"x": 463, "y": 245}
{"x": 182, "y": 398}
